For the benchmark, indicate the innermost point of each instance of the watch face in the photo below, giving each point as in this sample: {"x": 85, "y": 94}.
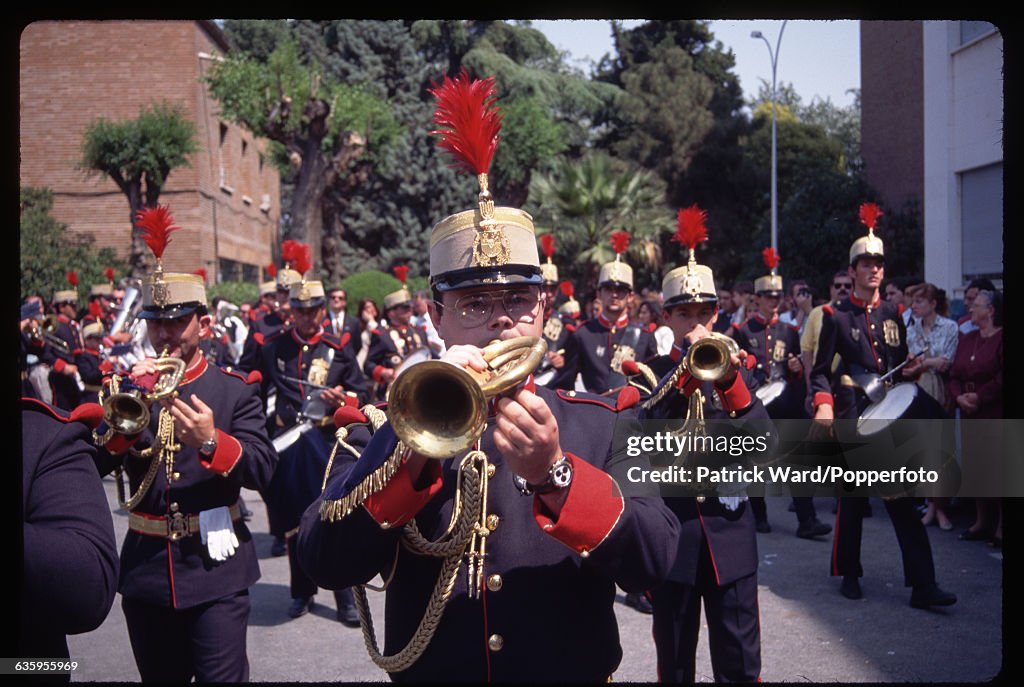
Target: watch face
{"x": 561, "y": 474}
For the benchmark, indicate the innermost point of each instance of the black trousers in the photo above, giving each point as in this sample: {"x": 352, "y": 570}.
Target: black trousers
{"x": 918, "y": 565}
{"x": 734, "y": 629}
{"x": 804, "y": 508}
{"x": 302, "y": 586}
{"x": 205, "y": 642}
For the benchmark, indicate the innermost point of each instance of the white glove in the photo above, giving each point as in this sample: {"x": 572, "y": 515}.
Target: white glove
{"x": 218, "y": 532}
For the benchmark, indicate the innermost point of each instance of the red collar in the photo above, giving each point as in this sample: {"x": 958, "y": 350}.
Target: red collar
{"x": 760, "y": 318}
{"x": 606, "y": 323}
{"x": 315, "y": 339}
{"x": 864, "y": 304}
{"x": 192, "y": 373}
{"x": 676, "y": 353}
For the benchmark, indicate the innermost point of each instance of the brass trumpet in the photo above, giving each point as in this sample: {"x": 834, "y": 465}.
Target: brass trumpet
{"x": 708, "y": 358}
{"x": 439, "y": 410}
{"x": 126, "y": 409}
{"x": 45, "y": 330}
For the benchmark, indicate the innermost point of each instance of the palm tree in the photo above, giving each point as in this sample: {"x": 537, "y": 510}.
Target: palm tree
{"x": 581, "y": 202}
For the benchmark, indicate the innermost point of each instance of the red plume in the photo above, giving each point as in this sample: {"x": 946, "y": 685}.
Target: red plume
{"x": 289, "y": 251}
{"x": 690, "y": 228}
{"x": 869, "y": 214}
{"x": 771, "y": 258}
{"x": 303, "y": 258}
{"x": 95, "y": 308}
{"x": 202, "y": 273}
{"x": 469, "y": 120}
{"x": 620, "y": 241}
{"x": 157, "y": 225}
{"x": 73, "y": 278}
{"x": 401, "y": 272}
{"x": 272, "y": 270}
{"x": 109, "y": 272}
{"x": 567, "y": 288}
{"x": 547, "y": 242}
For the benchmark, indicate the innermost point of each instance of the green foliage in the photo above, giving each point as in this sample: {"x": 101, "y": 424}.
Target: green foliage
{"x": 146, "y": 148}
{"x": 533, "y": 136}
{"x": 48, "y": 251}
{"x": 236, "y": 292}
{"x": 370, "y": 284}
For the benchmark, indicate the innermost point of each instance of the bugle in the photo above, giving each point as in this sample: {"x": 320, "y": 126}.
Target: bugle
{"x": 708, "y": 359}
{"x": 126, "y": 408}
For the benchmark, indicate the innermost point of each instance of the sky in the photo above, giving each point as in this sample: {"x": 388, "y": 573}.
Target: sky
{"x": 820, "y": 58}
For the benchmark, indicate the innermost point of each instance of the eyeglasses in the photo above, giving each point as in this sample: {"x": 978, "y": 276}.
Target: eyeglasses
{"x": 842, "y": 286}
{"x": 476, "y": 308}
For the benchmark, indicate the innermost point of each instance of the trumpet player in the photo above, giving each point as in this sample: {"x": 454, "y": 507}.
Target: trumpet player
{"x": 189, "y": 436}
{"x": 532, "y": 579}
{"x": 717, "y": 561}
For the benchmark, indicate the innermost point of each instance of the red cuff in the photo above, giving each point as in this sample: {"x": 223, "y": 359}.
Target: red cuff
{"x": 120, "y": 443}
{"x": 823, "y": 398}
{"x": 59, "y": 364}
{"x": 377, "y": 371}
{"x": 224, "y": 459}
{"x": 736, "y": 397}
{"x": 591, "y": 509}
{"x": 400, "y": 501}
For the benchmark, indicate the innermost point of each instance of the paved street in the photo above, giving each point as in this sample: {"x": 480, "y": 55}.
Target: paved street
{"x": 809, "y": 632}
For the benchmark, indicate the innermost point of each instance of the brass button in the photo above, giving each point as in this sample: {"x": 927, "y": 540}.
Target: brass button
{"x": 174, "y": 507}
{"x": 872, "y": 326}
{"x": 573, "y": 393}
{"x": 491, "y": 470}
{"x": 305, "y": 348}
{"x": 494, "y": 582}
{"x": 492, "y": 522}
{"x": 495, "y": 642}
{"x": 700, "y": 498}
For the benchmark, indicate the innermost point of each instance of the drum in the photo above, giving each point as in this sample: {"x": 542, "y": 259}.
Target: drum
{"x": 417, "y": 356}
{"x": 904, "y": 401}
{"x": 770, "y": 392}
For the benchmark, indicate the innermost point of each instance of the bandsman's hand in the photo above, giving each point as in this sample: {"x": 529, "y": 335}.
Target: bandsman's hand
{"x": 526, "y": 434}
{"x": 824, "y": 418}
{"x": 914, "y": 367}
{"x": 333, "y": 397}
{"x": 556, "y": 359}
{"x": 144, "y": 367}
{"x": 794, "y": 364}
{"x": 466, "y": 356}
{"x": 193, "y": 424}
{"x": 387, "y": 375}
{"x": 70, "y": 369}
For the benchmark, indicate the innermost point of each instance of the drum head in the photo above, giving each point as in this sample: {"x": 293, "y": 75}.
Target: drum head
{"x": 880, "y": 415}
{"x": 770, "y": 391}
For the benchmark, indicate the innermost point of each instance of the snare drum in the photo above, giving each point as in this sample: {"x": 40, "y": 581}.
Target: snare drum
{"x": 904, "y": 401}
{"x": 770, "y": 392}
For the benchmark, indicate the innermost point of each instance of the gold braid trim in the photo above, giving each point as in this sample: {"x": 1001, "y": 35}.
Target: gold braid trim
{"x": 165, "y": 437}
{"x": 665, "y": 388}
{"x": 334, "y": 510}
{"x": 468, "y": 513}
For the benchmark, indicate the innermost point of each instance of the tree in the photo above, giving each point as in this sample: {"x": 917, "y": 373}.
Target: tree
{"x": 49, "y": 252}
{"x": 583, "y": 201}
{"x": 139, "y": 154}
{"x": 323, "y": 126}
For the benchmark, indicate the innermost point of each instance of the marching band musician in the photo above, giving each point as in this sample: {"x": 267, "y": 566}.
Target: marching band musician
{"x": 869, "y": 337}
{"x": 308, "y": 368}
{"x": 602, "y": 343}
{"x": 553, "y": 372}
{"x": 93, "y": 364}
{"x": 392, "y": 343}
{"x": 188, "y": 559}
{"x": 278, "y": 316}
{"x": 776, "y": 347}
{"x": 717, "y": 558}
{"x": 540, "y": 531}
{"x": 59, "y": 350}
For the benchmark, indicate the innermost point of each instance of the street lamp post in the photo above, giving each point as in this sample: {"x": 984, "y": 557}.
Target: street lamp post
{"x": 773, "y": 56}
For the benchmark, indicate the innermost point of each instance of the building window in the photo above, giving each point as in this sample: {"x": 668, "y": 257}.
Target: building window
{"x": 223, "y": 133}
{"x": 969, "y": 30}
{"x": 232, "y": 270}
{"x": 981, "y": 221}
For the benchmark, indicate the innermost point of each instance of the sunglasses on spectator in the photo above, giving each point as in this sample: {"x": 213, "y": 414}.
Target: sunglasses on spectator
{"x": 842, "y": 285}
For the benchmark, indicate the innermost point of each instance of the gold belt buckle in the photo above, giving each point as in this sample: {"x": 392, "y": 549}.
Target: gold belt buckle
{"x": 177, "y": 527}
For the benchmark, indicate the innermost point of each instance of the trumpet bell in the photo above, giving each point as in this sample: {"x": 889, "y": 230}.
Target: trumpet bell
{"x": 439, "y": 410}
{"x": 127, "y": 412}
{"x": 708, "y": 358}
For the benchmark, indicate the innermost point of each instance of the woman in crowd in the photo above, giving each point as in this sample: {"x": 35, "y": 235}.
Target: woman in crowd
{"x": 648, "y": 316}
{"x": 369, "y": 319}
{"x": 933, "y": 337}
{"x": 976, "y": 389}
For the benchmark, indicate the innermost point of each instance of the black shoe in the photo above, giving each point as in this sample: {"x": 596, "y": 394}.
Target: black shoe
{"x": 763, "y": 527}
{"x": 850, "y": 588}
{"x": 931, "y": 595}
{"x": 348, "y": 616}
{"x": 300, "y": 607}
{"x": 639, "y": 602}
{"x": 812, "y": 528}
{"x": 278, "y": 548}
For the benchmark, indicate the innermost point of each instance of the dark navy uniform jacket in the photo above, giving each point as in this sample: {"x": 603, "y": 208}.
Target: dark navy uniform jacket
{"x": 390, "y": 345}
{"x": 558, "y": 331}
{"x": 730, "y": 535}
{"x": 66, "y": 393}
{"x": 868, "y": 338}
{"x": 92, "y": 368}
{"x": 70, "y": 554}
{"x": 287, "y": 354}
{"x": 260, "y": 329}
{"x": 594, "y": 346}
{"x": 181, "y": 573}
{"x": 550, "y": 586}
{"x": 771, "y": 343}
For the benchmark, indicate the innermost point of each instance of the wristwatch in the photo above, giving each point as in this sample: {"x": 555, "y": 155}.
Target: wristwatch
{"x": 209, "y": 447}
{"x": 559, "y": 477}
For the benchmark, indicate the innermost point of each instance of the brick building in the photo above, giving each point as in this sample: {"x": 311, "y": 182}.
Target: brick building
{"x": 227, "y": 202}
